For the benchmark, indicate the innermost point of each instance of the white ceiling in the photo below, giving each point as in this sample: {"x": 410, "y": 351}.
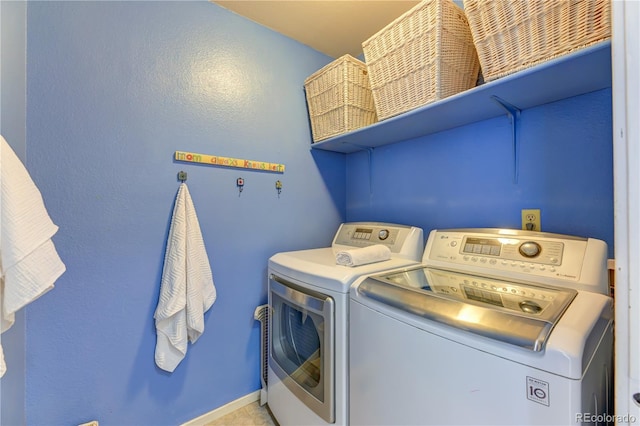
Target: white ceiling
{"x": 333, "y": 27}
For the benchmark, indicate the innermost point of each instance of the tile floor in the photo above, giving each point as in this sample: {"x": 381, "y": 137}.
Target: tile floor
{"x": 249, "y": 415}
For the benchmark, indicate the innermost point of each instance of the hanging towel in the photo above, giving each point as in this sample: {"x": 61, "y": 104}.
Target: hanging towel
{"x": 29, "y": 262}
{"x": 363, "y": 256}
{"x": 187, "y": 290}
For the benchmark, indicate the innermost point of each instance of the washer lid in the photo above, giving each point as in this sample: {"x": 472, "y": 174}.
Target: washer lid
{"x": 318, "y": 267}
{"x": 517, "y": 313}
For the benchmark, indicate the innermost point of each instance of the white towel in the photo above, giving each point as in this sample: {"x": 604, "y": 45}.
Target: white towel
{"x": 187, "y": 290}
{"x": 363, "y": 256}
{"x": 29, "y": 262}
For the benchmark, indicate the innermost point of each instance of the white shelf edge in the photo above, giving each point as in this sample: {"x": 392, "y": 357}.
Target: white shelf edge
{"x": 553, "y": 80}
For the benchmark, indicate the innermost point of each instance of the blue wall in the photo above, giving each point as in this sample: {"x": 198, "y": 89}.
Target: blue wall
{"x": 13, "y": 26}
{"x": 464, "y": 177}
{"x": 114, "y": 89}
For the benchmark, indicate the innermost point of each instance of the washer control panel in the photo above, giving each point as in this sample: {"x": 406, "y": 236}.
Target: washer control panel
{"x": 549, "y": 258}
{"x": 517, "y": 249}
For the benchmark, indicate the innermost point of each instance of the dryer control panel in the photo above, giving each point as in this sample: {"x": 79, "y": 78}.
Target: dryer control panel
{"x": 556, "y": 259}
{"x": 404, "y": 241}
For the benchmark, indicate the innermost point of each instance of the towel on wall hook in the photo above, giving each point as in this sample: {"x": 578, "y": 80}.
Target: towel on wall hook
{"x": 187, "y": 290}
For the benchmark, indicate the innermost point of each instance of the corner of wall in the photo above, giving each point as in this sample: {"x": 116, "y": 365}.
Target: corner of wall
{"x": 13, "y": 119}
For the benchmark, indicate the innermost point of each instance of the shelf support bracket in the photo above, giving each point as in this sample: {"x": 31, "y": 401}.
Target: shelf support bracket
{"x": 370, "y": 152}
{"x": 514, "y": 118}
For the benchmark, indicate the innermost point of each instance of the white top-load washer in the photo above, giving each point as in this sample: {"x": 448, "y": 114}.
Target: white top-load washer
{"x": 495, "y": 327}
{"x": 308, "y": 320}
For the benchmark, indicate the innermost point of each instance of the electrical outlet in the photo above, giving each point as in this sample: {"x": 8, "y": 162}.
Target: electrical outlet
{"x": 531, "y": 220}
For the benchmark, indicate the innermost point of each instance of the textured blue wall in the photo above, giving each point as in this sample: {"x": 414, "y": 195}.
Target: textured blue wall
{"x": 13, "y": 25}
{"x": 114, "y": 88}
{"x": 464, "y": 177}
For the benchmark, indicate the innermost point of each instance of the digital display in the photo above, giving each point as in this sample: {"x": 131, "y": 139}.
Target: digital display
{"x": 362, "y": 234}
{"x": 483, "y": 246}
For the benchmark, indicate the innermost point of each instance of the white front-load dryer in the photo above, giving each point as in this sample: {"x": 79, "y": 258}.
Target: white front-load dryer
{"x": 308, "y": 320}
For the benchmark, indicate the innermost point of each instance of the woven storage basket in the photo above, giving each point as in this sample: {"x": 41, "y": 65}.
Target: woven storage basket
{"x": 425, "y": 55}
{"x": 511, "y": 35}
{"x": 339, "y": 98}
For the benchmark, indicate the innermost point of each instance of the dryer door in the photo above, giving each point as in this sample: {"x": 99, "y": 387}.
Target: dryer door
{"x": 301, "y": 350}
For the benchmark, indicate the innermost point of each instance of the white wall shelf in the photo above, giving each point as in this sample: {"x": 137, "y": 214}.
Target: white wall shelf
{"x": 580, "y": 72}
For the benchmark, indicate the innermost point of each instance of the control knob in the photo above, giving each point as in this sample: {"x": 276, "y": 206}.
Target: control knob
{"x": 383, "y": 234}
{"x": 530, "y": 249}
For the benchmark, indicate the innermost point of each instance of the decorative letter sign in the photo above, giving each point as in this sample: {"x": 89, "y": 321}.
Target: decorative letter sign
{"x": 215, "y": 160}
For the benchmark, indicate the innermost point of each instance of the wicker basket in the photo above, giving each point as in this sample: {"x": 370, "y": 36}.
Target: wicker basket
{"x": 425, "y": 55}
{"x": 511, "y": 35}
{"x": 339, "y": 98}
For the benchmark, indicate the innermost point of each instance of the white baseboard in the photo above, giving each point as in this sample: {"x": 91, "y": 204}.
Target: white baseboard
{"x": 224, "y": 410}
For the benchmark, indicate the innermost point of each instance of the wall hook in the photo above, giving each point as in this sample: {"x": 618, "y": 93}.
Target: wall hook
{"x": 240, "y": 185}
{"x": 182, "y": 176}
{"x": 279, "y": 187}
